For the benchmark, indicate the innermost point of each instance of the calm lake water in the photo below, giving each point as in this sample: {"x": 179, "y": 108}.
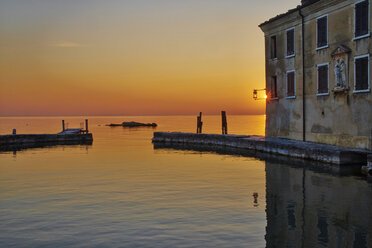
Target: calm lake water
{"x": 122, "y": 192}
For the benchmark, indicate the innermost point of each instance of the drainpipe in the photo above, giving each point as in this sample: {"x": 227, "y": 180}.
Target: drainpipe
{"x": 303, "y": 78}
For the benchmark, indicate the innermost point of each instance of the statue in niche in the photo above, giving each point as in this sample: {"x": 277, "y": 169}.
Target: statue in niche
{"x": 341, "y": 69}
{"x": 340, "y": 74}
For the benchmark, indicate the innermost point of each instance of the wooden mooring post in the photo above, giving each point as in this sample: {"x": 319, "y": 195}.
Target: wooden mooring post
{"x": 86, "y": 126}
{"x": 199, "y": 123}
{"x": 63, "y": 125}
{"x": 224, "y": 122}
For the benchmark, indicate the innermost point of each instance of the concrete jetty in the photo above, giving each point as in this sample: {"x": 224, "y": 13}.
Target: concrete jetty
{"x": 70, "y": 136}
{"x": 324, "y": 153}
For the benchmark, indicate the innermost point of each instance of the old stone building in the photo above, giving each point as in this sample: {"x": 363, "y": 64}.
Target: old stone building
{"x": 318, "y": 73}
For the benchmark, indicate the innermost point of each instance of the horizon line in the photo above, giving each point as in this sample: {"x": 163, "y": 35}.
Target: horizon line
{"x": 10, "y": 116}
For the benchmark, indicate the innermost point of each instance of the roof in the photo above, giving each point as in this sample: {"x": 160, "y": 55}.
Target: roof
{"x": 304, "y": 3}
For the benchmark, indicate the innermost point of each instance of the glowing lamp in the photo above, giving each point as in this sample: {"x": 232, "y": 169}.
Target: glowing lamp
{"x": 255, "y": 94}
{"x": 262, "y": 96}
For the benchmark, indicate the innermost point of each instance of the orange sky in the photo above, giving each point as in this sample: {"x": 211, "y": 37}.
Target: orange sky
{"x": 140, "y": 57}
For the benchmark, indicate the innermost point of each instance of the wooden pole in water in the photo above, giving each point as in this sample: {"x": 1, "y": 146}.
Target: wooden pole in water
{"x": 86, "y": 125}
{"x": 63, "y": 125}
{"x": 199, "y": 123}
{"x": 224, "y": 122}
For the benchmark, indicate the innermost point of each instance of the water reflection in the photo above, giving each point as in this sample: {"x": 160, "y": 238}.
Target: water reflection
{"x": 123, "y": 193}
{"x": 15, "y": 148}
{"x": 308, "y": 204}
{"x": 255, "y": 201}
{"x": 294, "y": 162}
{"x": 306, "y": 208}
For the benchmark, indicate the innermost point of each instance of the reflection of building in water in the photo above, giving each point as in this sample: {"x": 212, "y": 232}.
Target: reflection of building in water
{"x": 310, "y": 209}
{"x": 255, "y": 201}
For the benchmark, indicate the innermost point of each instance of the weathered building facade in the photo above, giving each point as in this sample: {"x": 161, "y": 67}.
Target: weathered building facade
{"x": 318, "y": 73}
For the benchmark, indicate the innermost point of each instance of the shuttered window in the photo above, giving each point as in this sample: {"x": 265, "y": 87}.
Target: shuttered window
{"x": 322, "y": 32}
{"x": 291, "y": 84}
{"x": 323, "y": 71}
{"x": 362, "y": 73}
{"x": 273, "y": 47}
{"x": 361, "y": 18}
{"x": 290, "y": 42}
{"x": 274, "y": 87}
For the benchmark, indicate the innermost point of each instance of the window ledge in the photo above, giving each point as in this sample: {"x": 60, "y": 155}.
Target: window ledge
{"x": 274, "y": 98}
{"x": 290, "y": 56}
{"x": 291, "y": 97}
{"x": 323, "y": 94}
{"x": 362, "y": 36}
{"x": 273, "y": 59}
{"x": 361, "y": 91}
{"x": 322, "y": 47}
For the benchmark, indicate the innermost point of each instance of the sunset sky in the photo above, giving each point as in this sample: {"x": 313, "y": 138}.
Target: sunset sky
{"x": 132, "y": 57}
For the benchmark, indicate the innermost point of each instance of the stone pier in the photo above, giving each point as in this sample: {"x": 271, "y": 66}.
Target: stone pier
{"x": 291, "y": 148}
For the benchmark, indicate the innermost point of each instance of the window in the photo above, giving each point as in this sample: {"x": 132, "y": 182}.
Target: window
{"x": 322, "y": 32}
{"x": 323, "y": 235}
{"x": 360, "y": 238}
{"x": 323, "y": 79}
{"x": 291, "y": 215}
{"x": 274, "y": 87}
{"x": 291, "y": 84}
{"x": 290, "y": 42}
{"x": 273, "y": 47}
{"x": 361, "y": 71}
{"x": 361, "y": 17}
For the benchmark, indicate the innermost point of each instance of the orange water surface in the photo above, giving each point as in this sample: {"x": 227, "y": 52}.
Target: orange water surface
{"x": 122, "y": 192}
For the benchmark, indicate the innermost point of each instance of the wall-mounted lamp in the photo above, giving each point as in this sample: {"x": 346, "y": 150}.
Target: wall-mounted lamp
{"x": 258, "y": 96}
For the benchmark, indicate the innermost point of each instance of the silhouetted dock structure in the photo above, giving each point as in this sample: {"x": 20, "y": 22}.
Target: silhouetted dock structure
{"x": 66, "y": 137}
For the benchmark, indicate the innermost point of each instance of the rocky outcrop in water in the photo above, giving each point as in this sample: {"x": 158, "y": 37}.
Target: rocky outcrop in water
{"x": 133, "y": 124}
